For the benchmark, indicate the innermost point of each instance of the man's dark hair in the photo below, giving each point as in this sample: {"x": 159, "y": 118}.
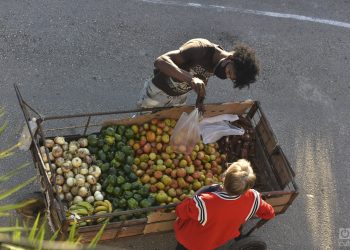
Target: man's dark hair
{"x": 246, "y": 65}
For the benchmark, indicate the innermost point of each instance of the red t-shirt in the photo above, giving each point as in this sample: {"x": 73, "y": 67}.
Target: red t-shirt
{"x": 209, "y": 220}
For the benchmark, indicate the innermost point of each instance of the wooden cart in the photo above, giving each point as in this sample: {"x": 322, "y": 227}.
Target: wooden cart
{"x": 275, "y": 177}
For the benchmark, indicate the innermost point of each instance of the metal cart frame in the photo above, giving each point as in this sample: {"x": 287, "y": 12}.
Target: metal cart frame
{"x": 270, "y": 161}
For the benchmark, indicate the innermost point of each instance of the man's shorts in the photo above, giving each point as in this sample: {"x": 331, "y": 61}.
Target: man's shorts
{"x": 153, "y": 97}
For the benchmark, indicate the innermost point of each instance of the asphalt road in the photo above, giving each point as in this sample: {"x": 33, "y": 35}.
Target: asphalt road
{"x": 88, "y": 56}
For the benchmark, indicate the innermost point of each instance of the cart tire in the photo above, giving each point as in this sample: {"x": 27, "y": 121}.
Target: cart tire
{"x": 249, "y": 243}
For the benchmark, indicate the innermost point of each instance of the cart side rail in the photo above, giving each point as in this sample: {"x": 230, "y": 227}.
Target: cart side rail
{"x": 275, "y": 155}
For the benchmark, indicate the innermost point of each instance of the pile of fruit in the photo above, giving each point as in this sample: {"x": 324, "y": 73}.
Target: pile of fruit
{"x": 239, "y": 146}
{"x": 116, "y": 156}
{"x": 83, "y": 208}
{"x": 145, "y": 167}
{"x": 125, "y": 167}
{"x": 75, "y": 176}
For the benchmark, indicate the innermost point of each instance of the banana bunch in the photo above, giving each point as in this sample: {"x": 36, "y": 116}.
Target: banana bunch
{"x": 78, "y": 210}
{"x": 102, "y": 207}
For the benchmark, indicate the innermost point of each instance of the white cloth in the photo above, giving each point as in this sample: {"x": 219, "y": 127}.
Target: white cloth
{"x": 152, "y": 97}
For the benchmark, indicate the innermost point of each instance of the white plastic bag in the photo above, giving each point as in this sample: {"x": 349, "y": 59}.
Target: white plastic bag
{"x": 213, "y": 128}
{"x": 220, "y": 118}
{"x": 26, "y": 139}
{"x": 186, "y": 133}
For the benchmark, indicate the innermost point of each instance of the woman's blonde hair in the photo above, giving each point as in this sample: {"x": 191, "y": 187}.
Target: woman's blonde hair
{"x": 239, "y": 177}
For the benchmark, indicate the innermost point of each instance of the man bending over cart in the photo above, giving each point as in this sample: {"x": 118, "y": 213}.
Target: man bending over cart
{"x": 179, "y": 71}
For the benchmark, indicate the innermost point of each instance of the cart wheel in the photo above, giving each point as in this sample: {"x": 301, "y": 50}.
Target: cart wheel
{"x": 249, "y": 243}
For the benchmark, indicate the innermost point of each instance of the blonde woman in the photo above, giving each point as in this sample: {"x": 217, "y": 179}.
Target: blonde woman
{"x": 214, "y": 215}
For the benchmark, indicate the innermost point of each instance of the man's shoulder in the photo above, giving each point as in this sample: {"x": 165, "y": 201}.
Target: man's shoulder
{"x": 198, "y": 51}
{"x": 198, "y": 43}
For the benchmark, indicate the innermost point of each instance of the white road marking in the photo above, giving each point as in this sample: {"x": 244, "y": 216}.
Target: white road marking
{"x": 195, "y": 4}
{"x": 255, "y": 12}
{"x": 313, "y": 164}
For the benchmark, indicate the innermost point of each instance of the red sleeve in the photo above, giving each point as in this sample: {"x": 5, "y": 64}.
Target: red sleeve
{"x": 187, "y": 210}
{"x": 265, "y": 210}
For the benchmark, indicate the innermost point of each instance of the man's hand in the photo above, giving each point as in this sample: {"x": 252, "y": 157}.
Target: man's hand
{"x": 198, "y": 86}
{"x": 200, "y": 104}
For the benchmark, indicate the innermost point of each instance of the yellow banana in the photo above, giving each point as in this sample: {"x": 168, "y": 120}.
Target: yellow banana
{"x": 76, "y": 206}
{"x": 100, "y": 203}
{"x": 99, "y": 220}
{"x": 100, "y": 208}
{"x": 101, "y": 212}
{"x": 72, "y": 222}
{"x": 80, "y": 211}
{"x": 82, "y": 223}
{"x": 87, "y": 205}
{"x": 110, "y": 207}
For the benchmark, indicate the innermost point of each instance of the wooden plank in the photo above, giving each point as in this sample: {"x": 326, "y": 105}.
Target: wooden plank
{"x": 114, "y": 225}
{"x": 89, "y": 235}
{"x": 279, "y": 209}
{"x": 114, "y": 230}
{"x": 281, "y": 200}
{"x": 175, "y": 113}
{"x": 160, "y": 216}
{"x": 266, "y": 180}
{"x": 282, "y": 167}
{"x": 131, "y": 231}
{"x": 163, "y": 226}
{"x": 266, "y": 135}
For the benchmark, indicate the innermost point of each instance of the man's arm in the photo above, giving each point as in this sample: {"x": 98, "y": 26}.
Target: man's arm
{"x": 167, "y": 64}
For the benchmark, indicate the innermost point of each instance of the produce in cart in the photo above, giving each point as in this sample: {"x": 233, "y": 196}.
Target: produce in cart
{"x": 75, "y": 178}
{"x": 127, "y": 167}
{"x": 275, "y": 177}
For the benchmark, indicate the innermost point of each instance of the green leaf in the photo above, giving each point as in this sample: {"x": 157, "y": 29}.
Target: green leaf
{"x": 16, "y": 236}
{"x": 25, "y": 225}
{"x": 77, "y": 241}
{"x": 12, "y": 173}
{"x": 11, "y": 229}
{"x": 15, "y": 189}
{"x": 3, "y": 127}
{"x": 31, "y": 236}
{"x": 72, "y": 232}
{"x": 2, "y": 111}
{"x": 40, "y": 237}
{"x": 6, "y": 155}
{"x": 11, "y": 247}
{"x": 97, "y": 237}
{"x": 9, "y": 151}
{"x": 54, "y": 236}
{"x": 8, "y": 207}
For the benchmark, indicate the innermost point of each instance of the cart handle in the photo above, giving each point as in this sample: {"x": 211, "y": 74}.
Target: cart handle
{"x": 260, "y": 223}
